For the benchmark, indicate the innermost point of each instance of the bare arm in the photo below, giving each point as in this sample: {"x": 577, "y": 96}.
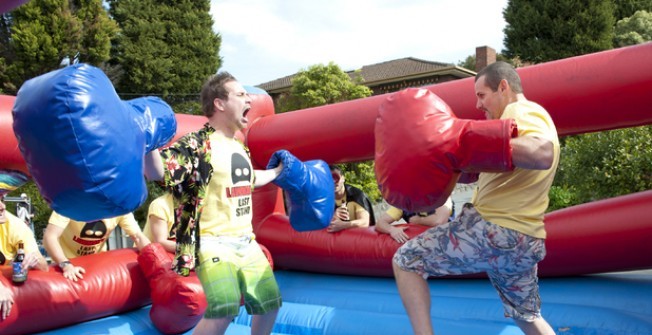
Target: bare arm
{"x": 264, "y": 177}
{"x": 532, "y": 152}
{"x": 384, "y": 226}
{"x": 153, "y": 166}
{"x": 160, "y": 233}
{"x": 384, "y": 223}
{"x": 440, "y": 216}
{"x": 35, "y": 260}
{"x": 52, "y": 246}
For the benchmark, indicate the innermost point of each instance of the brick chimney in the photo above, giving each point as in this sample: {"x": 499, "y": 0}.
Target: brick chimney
{"x": 484, "y": 56}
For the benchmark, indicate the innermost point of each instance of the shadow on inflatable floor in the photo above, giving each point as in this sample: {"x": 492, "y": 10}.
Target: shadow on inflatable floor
{"x": 604, "y": 304}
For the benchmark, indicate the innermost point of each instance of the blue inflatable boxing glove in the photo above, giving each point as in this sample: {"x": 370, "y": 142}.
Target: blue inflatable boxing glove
{"x": 84, "y": 147}
{"x": 310, "y": 188}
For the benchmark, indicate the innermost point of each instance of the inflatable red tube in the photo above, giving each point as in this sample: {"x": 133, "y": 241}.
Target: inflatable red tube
{"x": 602, "y": 236}
{"x": 580, "y": 93}
{"x": 113, "y": 283}
{"x": 10, "y": 156}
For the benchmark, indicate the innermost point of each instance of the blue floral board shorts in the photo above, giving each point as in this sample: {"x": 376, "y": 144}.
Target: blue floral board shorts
{"x": 468, "y": 245}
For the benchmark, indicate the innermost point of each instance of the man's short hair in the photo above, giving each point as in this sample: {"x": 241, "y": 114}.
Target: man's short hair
{"x": 214, "y": 89}
{"x": 495, "y": 72}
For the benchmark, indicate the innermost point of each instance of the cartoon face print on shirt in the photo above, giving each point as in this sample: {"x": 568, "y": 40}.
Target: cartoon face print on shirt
{"x": 241, "y": 172}
{"x": 93, "y": 230}
{"x": 91, "y": 235}
{"x": 3, "y": 258}
{"x": 240, "y": 169}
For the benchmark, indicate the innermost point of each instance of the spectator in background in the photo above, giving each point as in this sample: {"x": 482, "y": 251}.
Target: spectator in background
{"x": 65, "y": 238}
{"x": 12, "y": 231}
{"x": 160, "y": 227}
{"x": 352, "y": 206}
{"x": 384, "y": 225}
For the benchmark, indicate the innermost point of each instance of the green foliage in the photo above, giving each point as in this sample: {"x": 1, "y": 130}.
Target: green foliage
{"x": 40, "y": 207}
{"x": 627, "y": 8}
{"x": 321, "y": 85}
{"x": 39, "y": 34}
{"x": 603, "y": 165}
{"x": 362, "y": 176}
{"x": 542, "y": 30}
{"x": 633, "y": 30}
{"x": 468, "y": 63}
{"x": 166, "y": 47}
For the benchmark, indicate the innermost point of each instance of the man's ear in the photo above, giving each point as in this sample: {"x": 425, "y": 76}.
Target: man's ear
{"x": 503, "y": 85}
{"x": 218, "y": 104}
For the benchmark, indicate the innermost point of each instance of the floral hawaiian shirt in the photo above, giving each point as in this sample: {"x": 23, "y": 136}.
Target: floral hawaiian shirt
{"x": 188, "y": 172}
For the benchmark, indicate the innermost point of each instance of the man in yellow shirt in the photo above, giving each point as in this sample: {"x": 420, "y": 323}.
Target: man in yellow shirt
{"x": 501, "y": 233}
{"x": 160, "y": 226}
{"x": 65, "y": 238}
{"x": 12, "y": 231}
{"x": 393, "y": 214}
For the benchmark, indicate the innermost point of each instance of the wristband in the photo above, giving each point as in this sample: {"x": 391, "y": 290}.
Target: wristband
{"x": 64, "y": 263}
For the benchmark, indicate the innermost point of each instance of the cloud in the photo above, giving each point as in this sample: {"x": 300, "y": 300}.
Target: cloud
{"x": 279, "y": 37}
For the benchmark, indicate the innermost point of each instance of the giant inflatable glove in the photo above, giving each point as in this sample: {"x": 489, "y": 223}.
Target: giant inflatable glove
{"x": 178, "y": 302}
{"x": 422, "y": 147}
{"x": 310, "y": 188}
{"x": 83, "y": 145}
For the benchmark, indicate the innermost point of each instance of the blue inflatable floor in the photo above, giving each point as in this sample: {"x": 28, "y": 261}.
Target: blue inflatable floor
{"x": 605, "y": 304}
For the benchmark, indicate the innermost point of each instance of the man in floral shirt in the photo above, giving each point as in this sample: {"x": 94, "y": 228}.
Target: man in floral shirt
{"x": 210, "y": 175}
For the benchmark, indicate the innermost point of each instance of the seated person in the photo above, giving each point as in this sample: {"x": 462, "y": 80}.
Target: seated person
{"x": 65, "y": 238}
{"x": 393, "y": 214}
{"x": 160, "y": 225}
{"x": 352, "y": 206}
{"x": 12, "y": 231}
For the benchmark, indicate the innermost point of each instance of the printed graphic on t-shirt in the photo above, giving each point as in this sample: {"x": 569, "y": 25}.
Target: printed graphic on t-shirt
{"x": 240, "y": 174}
{"x": 91, "y": 235}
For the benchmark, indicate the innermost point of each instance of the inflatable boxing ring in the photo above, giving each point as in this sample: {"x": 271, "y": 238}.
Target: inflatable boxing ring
{"x": 341, "y": 283}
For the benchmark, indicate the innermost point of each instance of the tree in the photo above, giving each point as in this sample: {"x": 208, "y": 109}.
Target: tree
{"x": 321, "y": 85}
{"x": 627, "y": 8}
{"x": 167, "y": 48}
{"x": 604, "y": 165}
{"x": 541, "y": 30}
{"x": 634, "y": 30}
{"x": 38, "y": 35}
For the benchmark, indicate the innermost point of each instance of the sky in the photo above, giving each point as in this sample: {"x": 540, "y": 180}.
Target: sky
{"x": 263, "y": 40}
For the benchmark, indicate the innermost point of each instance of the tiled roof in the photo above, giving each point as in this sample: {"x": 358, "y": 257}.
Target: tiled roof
{"x": 394, "y": 69}
{"x": 398, "y": 68}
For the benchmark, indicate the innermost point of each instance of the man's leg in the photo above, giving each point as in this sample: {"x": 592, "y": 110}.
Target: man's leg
{"x": 415, "y": 295}
{"x": 263, "y": 324}
{"x": 212, "y": 326}
{"x": 536, "y": 327}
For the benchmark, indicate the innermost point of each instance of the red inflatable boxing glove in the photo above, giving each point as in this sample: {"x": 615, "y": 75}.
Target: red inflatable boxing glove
{"x": 422, "y": 147}
{"x": 178, "y": 303}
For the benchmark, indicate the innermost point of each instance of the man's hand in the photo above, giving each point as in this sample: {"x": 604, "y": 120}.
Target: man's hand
{"x": 73, "y": 273}
{"x": 6, "y": 301}
{"x": 398, "y": 234}
{"x": 341, "y": 213}
{"x": 34, "y": 260}
{"x": 338, "y": 225}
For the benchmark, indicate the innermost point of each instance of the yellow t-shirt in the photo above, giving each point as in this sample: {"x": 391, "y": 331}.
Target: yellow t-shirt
{"x": 162, "y": 208}
{"x": 519, "y": 199}
{"x": 228, "y": 210}
{"x": 397, "y": 214}
{"x": 13, "y": 231}
{"x": 87, "y": 238}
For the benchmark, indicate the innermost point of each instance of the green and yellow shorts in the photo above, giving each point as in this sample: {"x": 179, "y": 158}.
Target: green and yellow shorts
{"x": 232, "y": 269}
